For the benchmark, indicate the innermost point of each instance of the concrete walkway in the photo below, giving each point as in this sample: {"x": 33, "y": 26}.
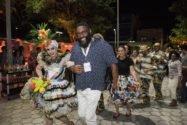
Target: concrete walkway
{"x": 21, "y": 112}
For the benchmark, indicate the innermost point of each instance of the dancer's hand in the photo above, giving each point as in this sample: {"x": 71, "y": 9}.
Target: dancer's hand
{"x": 69, "y": 64}
{"x": 78, "y": 69}
{"x": 137, "y": 83}
{"x": 114, "y": 86}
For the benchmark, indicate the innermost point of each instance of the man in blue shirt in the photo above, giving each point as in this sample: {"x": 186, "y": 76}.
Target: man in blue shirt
{"x": 91, "y": 56}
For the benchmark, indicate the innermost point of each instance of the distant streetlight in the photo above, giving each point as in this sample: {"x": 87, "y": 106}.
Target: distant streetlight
{"x": 117, "y": 23}
{"x": 115, "y": 39}
{"x": 1, "y": 11}
{"x": 59, "y": 33}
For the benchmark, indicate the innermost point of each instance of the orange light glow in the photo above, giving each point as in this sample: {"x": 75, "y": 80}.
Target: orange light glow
{"x": 28, "y": 47}
{"x": 18, "y": 39}
{"x": 3, "y": 43}
{"x": 1, "y": 11}
{"x": 62, "y": 43}
{"x": 184, "y": 42}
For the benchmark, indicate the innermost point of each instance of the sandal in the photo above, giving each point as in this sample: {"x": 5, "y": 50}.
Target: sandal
{"x": 115, "y": 116}
{"x": 128, "y": 114}
{"x": 71, "y": 123}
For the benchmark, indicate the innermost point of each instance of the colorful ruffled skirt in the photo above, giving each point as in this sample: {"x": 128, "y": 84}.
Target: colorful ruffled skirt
{"x": 126, "y": 91}
{"x": 59, "y": 99}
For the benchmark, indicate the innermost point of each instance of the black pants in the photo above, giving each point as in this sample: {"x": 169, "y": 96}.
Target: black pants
{"x": 184, "y": 91}
{"x": 3, "y": 83}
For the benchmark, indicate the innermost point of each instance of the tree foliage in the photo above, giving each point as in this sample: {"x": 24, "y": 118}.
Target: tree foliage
{"x": 179, "y": 33}
{"x": 179, "y": 7}
{"x": 61, "y": 15}
{"x": 65, "y": 14}
{"x": 20, "y": 20}
{"x": 36, "y": 5}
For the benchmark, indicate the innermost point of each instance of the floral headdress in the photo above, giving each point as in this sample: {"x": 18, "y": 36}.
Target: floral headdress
{"x": 41, "y": 35}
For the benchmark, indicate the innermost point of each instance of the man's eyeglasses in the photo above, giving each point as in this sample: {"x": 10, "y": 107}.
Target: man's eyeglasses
{"x": 82, "y": 33}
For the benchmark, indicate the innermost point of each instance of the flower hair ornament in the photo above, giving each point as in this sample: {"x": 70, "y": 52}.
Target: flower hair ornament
{"x": 53, "y": 43}
{"x": 42, "y": 35}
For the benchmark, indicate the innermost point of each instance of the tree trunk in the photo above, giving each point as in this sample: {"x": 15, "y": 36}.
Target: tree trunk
{"x": 8, "y": 30}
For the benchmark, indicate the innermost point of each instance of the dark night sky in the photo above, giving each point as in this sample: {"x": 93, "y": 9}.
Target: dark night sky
{"x": 153, "y": 13}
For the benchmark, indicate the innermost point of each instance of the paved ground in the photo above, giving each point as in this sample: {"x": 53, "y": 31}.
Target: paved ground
{"x": 21, "y": 112}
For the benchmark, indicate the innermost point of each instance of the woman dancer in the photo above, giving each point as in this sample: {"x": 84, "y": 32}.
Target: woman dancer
{"x": 58, "y": 98}
{"x": 175, "y": 75}
{"x": 127, "y": 83}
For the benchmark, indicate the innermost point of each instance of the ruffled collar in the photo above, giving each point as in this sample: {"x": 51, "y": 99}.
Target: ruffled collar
{"x": 48, "y": 60}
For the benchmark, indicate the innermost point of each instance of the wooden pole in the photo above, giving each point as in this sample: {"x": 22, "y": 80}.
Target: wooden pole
{"x": 8, "y": 31}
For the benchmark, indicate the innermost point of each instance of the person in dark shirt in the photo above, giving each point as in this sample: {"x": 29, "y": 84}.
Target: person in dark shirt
{"x": 100, "y": 106}
{"x": 128, "y": 50}
{"x": 3, "y": 63}
{"x": 91, "y": 56}
{"x": 127, "y": 83}
{"x": 32, "y": 62}
{"x": 38, "y": 50}
{"x": 184, "y": 75}
{"x": 18, "y": 58}
{"x": 3, "y": 57}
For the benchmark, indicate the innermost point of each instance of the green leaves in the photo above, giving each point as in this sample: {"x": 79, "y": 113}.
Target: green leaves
{"x": 35, "y": 5}
{"x": 179, "y": 33}
{"x": 40, "y": 33}
{"x": 65, "y": 14}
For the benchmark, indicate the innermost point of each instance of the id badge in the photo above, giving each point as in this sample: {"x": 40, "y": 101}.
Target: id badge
{"x": 87, "y": 67}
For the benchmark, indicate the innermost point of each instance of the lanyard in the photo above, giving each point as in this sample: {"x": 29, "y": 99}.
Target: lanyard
{"x": 87, "y": 50}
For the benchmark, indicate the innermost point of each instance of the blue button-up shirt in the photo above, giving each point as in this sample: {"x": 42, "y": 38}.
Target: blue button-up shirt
{"x": 100, "y": 55}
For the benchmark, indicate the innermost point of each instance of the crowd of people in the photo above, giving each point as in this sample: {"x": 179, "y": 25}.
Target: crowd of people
{"x": 165, "y": 69}
{"x": 18, "y": 60}
{"x": 130, "y": 75}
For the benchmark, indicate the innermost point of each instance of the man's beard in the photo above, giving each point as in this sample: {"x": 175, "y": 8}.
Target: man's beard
{"x": 88, "y": 40}
{"x": 157, "y": 49}
{"x": 144, "y": 54}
